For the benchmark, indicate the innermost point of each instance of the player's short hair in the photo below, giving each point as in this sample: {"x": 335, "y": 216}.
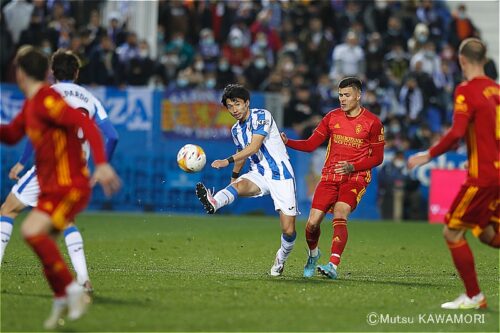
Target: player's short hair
{"x": 233, "y": 91}
{"x": 474, "y": 50}
{"x": 65, "y": 65}
{"x": 33, "y": 62}
{"x": 350, "y": 81}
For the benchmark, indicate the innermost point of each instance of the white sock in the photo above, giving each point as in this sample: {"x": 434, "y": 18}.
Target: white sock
{"x": 287, "y": 243}
{"x": 6, "y": 226}
{"x": 74, "y": 243}
{"x": 314, "y": 252}
{"x": 225, "y": 196}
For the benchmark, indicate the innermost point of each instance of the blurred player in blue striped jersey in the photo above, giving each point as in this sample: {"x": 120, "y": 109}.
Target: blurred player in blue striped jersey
{"x": 65, "y": 67}
{"x": 257, "y": 138}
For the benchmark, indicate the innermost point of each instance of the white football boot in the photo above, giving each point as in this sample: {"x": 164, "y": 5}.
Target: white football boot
{"x": 59, "y": 310}
{"x": 465, "y": 302}
{"x": 278, "y": 266}
{"x": 78, "y": 300}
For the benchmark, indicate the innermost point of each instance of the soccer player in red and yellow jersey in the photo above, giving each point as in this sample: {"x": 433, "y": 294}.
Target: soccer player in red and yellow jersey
{"x": 355, "y": 146}
{"x": 477, "y": 118}
{"x": 65, "y": 187}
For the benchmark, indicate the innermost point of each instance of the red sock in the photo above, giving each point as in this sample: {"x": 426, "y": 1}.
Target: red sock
{"x": 339, "y": 240}
{"x": 55, "y": 268}
{"x": 312, "y": 236}
{"x": 495, "y": 242}
{"x": 464, "y": 262}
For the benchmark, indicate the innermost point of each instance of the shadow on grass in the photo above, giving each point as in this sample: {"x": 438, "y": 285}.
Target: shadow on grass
{"x": 106, "y": 300}
{"x": 17, "y": 293}
{"x": 320, "y": 280}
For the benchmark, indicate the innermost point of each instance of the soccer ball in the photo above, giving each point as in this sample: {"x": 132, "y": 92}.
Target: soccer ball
{"x": 191, "y": 158}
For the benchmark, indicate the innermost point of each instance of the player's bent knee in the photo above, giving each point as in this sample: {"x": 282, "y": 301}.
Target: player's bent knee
{"x": 36, "y": 223}
{"x": 11, "y": 207}
{"x": 453, "y": 235}
{"x": 244, "y": 187}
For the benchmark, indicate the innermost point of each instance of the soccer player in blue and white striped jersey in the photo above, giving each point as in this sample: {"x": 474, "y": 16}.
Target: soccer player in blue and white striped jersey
{"x": 257, "y": 139}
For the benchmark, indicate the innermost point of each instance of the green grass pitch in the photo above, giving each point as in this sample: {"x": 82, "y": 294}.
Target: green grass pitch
{"x": 210, "y": 273}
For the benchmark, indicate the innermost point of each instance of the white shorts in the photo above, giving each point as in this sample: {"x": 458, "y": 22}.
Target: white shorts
{"x": 27, "y": 189}
{"x": 283, "y": 192}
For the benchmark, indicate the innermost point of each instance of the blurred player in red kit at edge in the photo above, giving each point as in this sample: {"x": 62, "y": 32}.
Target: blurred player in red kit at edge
{"x": 65, "y": 187}
{"x": 476, "y": 116}
{"x": 356, "y": 145}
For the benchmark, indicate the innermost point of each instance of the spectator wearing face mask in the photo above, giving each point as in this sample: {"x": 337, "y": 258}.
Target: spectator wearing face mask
{"x": 375, "y": 59}
{"x": 348, "y": 59}
{"x": 183, "y": 49}
{"x": 183, "y": 80}
{"x": 262, "y": 24}
{"x": 168, "y": 66}
{"x": 396, "y": 65}
{"x": 114, "y": 30}
{"x": 391, "y": 183}
{"x": 104, "y": 64}
{"x": 224, "y": 73}
{"x": 461, "y": 27}
{"x": 141, "y": 68}
{"x": 261, "y": 47}
{"x": 429, "y": 13}
{"x": 431, "y": 62}
{"x": 257, "y": 72}
{"x": 235, "y": 52}
{"x": 317, "y": 44}
{"x": 209, "y": 81}
{"x": 419, "y": 38}
{"x": 208, "y": 49}
{"x": 291, "y": 49}
{"x": 394, "y": 34}
{"x": 411, "y": 100}
{"x": 128, "y": 50}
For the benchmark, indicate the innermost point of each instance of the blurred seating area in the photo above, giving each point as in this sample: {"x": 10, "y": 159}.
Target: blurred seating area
{"x": 405, "y": 52}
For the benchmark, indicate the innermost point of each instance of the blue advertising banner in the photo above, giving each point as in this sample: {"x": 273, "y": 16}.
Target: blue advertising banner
{"x": 145, "y": 157}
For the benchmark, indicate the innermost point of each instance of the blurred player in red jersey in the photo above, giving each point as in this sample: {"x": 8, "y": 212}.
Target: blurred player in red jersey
{"x": 65, "y": 188}
{"x": 477, "y": 118}
{"x": 356, "y": 145}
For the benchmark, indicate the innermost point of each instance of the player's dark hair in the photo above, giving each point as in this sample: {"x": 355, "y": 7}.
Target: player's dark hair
{"x": 233, "y": 91}
{"x": 474, "y": 50}
{"x": 33, "y": 62}
{"x": 65, "y": 65}
{"x": 350, "y": 81}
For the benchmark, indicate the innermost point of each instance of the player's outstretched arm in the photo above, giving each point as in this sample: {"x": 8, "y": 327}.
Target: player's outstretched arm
{"x": 242, "y": 155}
{"x": 454, "y": 134}
{"x": 418, "y": 159}
{"x": 308, "y": 145}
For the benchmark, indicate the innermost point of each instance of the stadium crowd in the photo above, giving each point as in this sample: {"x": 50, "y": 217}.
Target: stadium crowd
{"x": 404, "y": 51}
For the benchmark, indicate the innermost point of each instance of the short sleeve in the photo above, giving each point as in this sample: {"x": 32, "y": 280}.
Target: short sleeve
{"x": 263, "y": 123}
{"x": 377, "y": 133}
{"x": 100, "y": 113}
{"x": 53, "y": 105}
{"x": 462, "y": 103}
{"x": 323, "y": 127}
{"x": 235, "y": 139}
